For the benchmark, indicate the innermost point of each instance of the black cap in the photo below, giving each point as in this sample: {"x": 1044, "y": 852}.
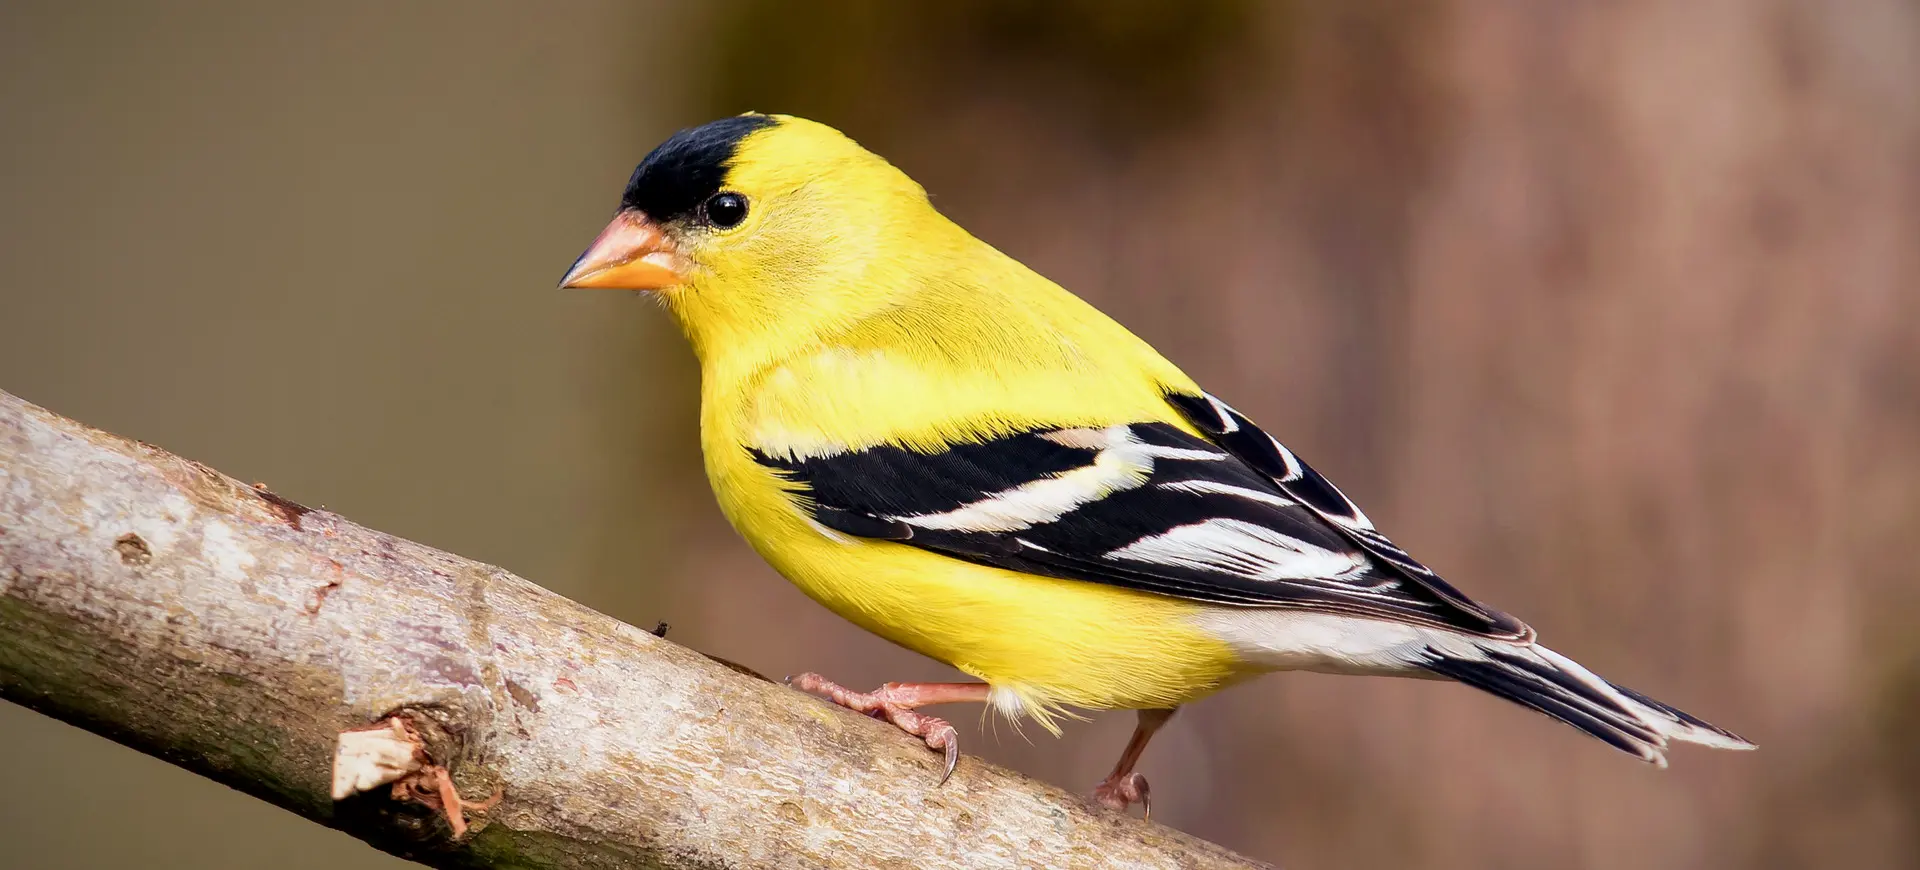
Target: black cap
{"x": 689, "y": 167}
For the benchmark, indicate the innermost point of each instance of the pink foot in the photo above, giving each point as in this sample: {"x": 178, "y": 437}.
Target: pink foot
{"x": 895, "y": 703}
{"x": 1121, "y": 792}
{"x": 1124, "y": 788}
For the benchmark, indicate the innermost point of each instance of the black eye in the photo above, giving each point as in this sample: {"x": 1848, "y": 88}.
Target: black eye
{"x": 726, "y": 210}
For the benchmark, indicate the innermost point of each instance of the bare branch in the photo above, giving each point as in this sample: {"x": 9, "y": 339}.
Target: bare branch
{"x": 240, "y": 635}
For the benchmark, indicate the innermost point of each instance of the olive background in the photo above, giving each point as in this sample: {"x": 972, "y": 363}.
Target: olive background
{"x": 1609, "y": 312}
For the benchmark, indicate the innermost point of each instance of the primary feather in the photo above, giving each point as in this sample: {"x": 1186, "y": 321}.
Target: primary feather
{"x": 958, "y": 455}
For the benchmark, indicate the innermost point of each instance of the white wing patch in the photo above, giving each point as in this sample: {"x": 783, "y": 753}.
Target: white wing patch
{"x": 1247, "y": 550}
{"x": 1123, "y": 462}
{"x": 1214, "y": 487}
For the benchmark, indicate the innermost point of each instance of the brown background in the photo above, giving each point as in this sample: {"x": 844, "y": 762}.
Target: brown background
{"x": 1608, "y": 311}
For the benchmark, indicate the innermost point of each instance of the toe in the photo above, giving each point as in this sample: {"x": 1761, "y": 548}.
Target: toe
{"x": 809, "y": 682}
{"x": 1124, "y": 792}
{"x": 1137, "y": 785}
{"x": 938, "y": 734}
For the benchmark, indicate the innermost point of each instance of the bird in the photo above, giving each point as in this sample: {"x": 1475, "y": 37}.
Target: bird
{"x": 958, "y": 455}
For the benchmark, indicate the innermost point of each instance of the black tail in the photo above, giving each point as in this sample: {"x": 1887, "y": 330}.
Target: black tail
{"x": 1544, "y": 680}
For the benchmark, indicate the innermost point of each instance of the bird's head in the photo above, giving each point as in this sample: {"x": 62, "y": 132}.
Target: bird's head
{"x": 764, "y": 229}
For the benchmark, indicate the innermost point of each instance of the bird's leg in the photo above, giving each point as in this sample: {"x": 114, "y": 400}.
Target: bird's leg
{"x": 896, "y": 703}
{"x": 1123, "y": 788}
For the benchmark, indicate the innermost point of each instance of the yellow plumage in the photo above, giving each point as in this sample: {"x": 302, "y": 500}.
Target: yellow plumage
{"x": 911, "y": 331}
{"x": 959, "y": 456}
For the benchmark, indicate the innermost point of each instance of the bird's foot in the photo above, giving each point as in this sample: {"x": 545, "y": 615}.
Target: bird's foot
{"x": 1124, "y": 788}
{"x": 1121, "y": 791}
{"x": 895, "y": 702}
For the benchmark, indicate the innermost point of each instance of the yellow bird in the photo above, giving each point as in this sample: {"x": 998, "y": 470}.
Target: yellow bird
{"x": 959, "y": 456}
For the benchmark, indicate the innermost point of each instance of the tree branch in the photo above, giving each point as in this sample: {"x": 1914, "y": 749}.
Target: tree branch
{"x": 237, "y": 634}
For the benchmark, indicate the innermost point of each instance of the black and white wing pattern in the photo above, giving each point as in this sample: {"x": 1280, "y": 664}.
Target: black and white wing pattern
{"x": 1264, "y": 453}
{"x": 1232, "y": 519}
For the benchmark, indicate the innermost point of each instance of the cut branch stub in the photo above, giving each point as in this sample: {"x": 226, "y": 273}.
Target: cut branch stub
{"x": 376, "y": 755}
{"x": 392, "y": 751}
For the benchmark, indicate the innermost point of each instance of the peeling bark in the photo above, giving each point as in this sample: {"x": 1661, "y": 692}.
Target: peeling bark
{"x": 238, "y": 634}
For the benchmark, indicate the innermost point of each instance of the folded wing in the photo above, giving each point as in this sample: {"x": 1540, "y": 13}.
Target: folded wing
{"x": 1233, "y": 519}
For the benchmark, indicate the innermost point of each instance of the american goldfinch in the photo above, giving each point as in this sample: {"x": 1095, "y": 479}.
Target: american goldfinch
{"x": 959, "y": 456}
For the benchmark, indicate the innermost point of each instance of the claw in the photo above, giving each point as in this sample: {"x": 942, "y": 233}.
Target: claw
{"x": 949, "y": 744}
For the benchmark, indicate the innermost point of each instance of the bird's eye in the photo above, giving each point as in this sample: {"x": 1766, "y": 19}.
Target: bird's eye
{"x": 726, "y": 210}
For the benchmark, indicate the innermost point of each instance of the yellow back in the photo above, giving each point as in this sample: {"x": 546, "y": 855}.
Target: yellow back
{"x": 844, "y": 273}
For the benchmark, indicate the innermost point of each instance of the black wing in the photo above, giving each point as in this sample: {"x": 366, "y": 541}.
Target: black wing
{"x": 1146, "y": 506}
{"x": 1232, "y": 430}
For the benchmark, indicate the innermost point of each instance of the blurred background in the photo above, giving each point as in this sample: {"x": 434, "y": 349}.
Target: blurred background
{"x": 1610, "y": 312}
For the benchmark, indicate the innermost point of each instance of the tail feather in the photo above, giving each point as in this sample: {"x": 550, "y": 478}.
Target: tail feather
{"x": 1539, "y": 678}
{"x": 1688, "y": 728}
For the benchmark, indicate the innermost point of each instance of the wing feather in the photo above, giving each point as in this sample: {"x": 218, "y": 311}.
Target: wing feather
{"x": 1234, "y": 432}
{"x": 1233, "y": 519}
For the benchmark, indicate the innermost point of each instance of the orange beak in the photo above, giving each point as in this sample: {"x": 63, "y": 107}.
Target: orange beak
{"x": 630, "y": 254}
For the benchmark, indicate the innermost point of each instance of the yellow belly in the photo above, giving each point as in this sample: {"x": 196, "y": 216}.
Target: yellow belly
{"x": 1042, "y": 643}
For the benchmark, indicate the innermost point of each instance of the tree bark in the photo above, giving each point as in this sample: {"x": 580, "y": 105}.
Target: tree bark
{"x": 230, "y": 631}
